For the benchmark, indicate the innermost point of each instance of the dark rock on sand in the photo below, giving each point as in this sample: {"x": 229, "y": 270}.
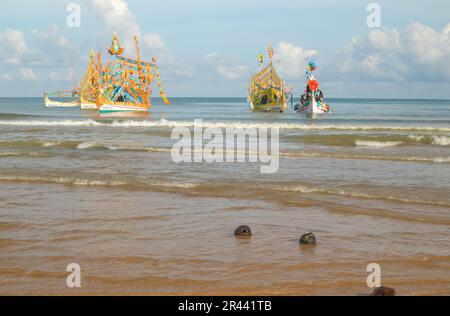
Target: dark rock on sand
{"x": 383, "y": 291}
{"x": 243, "y": 230}
{"x": 308, "y": 239}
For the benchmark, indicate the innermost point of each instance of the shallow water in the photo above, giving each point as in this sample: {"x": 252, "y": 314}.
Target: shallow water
{"x": 371, "y": 180}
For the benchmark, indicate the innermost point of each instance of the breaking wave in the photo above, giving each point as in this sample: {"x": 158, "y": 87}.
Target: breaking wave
{"x": 365, "y": 157}
{"x": 94, "y": 145}
{"x": 368, "y": 143}
{"x": 89, "y": 145}
{"x": 416, "y": 138}
{"x": 86, "y": 145}
{"x": 50, "y": 143}
{"x": 166, "y": 123}
{"x": 23, "y": 154}
{"x": 441, "y": 140}
{"x": 63, "y": 180}
{"x": 307, "y": 189}
{"x": 96, "y": 182}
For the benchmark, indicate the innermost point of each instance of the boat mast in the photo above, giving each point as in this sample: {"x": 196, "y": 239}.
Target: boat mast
{"x": 141, "y": 73}
{"x": 139, "y": 66}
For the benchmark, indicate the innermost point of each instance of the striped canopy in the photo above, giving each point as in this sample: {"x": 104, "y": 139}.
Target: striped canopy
{"x": 267, "y": 78}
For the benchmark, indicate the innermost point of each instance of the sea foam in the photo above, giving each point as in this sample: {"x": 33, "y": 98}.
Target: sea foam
{"x": 365, "y": 143}
{"x": 166, "y": 123}
{"x": 441, "y": 140}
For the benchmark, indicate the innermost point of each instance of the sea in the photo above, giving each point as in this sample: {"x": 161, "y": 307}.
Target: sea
{"x": 371, "y": 181}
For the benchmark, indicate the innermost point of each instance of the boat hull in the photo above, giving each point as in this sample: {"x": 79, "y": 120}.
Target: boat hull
{"x": 106, "y": 108}
{"x": 310, "y": 108}
{"x": 268, "y": 107}
{"x": 52, "y": 105}
{"x": 88, "y": 106}
{"x": 56, "y": 104}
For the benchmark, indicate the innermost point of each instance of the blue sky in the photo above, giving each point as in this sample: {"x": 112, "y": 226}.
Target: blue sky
{"x": 210, "y": 48}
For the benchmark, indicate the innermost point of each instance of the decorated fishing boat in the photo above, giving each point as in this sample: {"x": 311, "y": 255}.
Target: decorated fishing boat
{"x": 267, "y": 90}
{"x": 62, "y": 96}
{"x": 311, "y": 101}
{"x": 124, "y": 84}
{"x": 89, "y": 84}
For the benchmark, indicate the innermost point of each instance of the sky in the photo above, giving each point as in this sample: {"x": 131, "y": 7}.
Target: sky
{"x": 204, "y": 48}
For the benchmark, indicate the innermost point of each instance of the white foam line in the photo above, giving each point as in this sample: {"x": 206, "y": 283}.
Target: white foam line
{"x": 305, "y": 189}
{"x": 87, "y": 182}
{"x": 441, "y": 140}
{"x": 165, "y": 123}
{"x": 364, "y": 143}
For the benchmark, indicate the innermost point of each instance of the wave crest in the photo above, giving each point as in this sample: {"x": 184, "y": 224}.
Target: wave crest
{"x": 441, "y": 140}
{"x": 166, "y": 123}
{"x": 368, "y": 143}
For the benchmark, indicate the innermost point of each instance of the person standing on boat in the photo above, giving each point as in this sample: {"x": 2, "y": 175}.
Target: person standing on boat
{"x": 319, "y": 96}
{"x": 264, "y": 99}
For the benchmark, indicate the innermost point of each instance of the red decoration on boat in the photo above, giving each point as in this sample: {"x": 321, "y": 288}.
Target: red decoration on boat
{"x": 313, "y": 85}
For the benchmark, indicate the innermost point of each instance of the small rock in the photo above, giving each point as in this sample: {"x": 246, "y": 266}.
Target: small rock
{"x": 383, "y": 291}
{"x": 243, "y": 230}
{"x": 308, "y": 239}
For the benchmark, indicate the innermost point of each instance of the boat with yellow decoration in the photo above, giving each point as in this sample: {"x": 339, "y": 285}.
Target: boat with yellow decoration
{"x": 267, "y": 90}
{"x": 89, "y": 84}
{"x": 122, "y": 85}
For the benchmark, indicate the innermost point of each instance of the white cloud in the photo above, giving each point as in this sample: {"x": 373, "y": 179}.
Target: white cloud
{"x": 225, "y": 66}
{"x": 6, "y": 77}
{"x": 231, "y": 72}
{"x": 50, "y": 48}
{"x": 292, "y": 59}
{"x": 117, "y": 17}
{"x": 41, "y": 48}
{"x": 50, "y": 36}
{"x": 27, "y": 73}
{"x": 154, "y": 42}
{"x": 13, "y": 40}
{"x": 13, "y": 47}
{"x": 13, "y": 61}
{"x": 372, "y": 58}
{"x": 417, "y": 53}
{"x": 387, "y": 39}
{"x": 430, "y": 50}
